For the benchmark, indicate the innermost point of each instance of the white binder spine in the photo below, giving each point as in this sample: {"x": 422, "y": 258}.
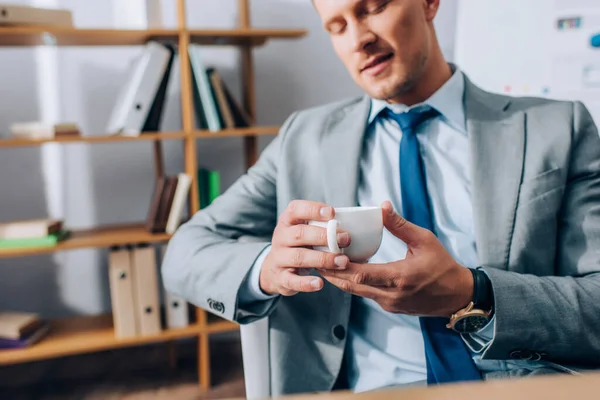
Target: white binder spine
{"x": 137, "y": 95}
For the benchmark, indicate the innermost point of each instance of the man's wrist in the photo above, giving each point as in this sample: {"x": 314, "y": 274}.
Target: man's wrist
{"x": 483, "y": 293}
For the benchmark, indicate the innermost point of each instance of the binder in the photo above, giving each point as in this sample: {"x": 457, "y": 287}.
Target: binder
{"x": 122, "y": 293}
{"x": 202, "y": 83}
{"x": 176, "y": 307}
{"x": 143, "y": 85}
{"x": 171, "y": 118}
{"x": 145, "y": 277}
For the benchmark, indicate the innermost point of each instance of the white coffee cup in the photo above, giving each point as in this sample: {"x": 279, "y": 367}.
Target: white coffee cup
{"x": 365, "y": 226}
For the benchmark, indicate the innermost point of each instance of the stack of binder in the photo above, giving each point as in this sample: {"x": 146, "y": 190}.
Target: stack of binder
{"x": 144, "y": 98}
{"x": 135, "y": 295}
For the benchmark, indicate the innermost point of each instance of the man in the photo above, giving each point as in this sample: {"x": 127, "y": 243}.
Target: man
{"x": 496, "y": 272}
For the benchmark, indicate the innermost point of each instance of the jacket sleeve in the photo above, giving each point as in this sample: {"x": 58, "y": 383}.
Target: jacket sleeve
{"x": 557, "y": 318}
{"x": 209, "y": 258}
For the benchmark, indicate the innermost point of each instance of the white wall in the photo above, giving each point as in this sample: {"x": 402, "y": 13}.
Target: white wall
{"x": 111, "y": 183}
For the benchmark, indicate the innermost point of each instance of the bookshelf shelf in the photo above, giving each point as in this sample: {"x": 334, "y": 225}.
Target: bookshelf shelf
{"x": 247, "y": 36}
{"x": 98, "y": 237}
{"x": 18, "y": 142}
{"x": 241, "y": 132}
{"x": 36, "y": 36}
{"x": 80, "y": 335}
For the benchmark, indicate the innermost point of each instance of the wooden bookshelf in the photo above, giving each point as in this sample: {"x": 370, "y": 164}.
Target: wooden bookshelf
{"x": 20, "y": 142}
{"x": 36, "y": 36}
{"x": 80, "y": 335}
{"x": 239, "y": 132}
{"x": 242, "y": 36}
{"x": 88, "y": 334}
{"x": 97, "y": 237}
{"x": 54, "y": 36}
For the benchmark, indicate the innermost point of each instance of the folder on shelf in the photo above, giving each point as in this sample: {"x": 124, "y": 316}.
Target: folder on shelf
{"x": 145, "y": 277}
{"x": 203, "y": 87}
{"x": 176, "y": 307}
{"x": 122, "y": 292}
{"x": 139, "y": 104}
{"x": 171, "y": 118}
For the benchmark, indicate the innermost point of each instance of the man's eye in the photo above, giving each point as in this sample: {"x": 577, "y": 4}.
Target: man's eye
{"x": 378, "y": 7}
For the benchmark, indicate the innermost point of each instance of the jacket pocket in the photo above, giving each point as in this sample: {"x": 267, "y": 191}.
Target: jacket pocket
{"x": 538, "y": 186}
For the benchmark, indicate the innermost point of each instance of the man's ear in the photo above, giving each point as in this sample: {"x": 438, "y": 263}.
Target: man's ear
{"x": 431, "y": 8}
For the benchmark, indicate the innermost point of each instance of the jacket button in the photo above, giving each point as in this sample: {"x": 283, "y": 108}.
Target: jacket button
{"x": 339, "y": 332}
{"x": 521, "y": 354}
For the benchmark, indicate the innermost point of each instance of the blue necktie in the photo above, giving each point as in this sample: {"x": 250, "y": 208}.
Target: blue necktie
{"x": 448, "y": 359}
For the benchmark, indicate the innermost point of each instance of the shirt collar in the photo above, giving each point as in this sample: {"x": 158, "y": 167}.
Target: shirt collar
{"x": 447, "y": 100}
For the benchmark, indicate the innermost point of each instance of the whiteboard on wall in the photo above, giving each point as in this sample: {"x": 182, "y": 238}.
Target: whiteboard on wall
{"x": 537, "y": 48}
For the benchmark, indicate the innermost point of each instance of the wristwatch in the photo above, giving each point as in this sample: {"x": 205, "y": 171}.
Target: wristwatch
{"x": 478, "y": 312}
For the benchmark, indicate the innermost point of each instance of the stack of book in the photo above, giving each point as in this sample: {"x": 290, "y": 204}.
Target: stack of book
{"x": 168, "y": 203}
{"x": 20, "y": 329}
{"x": 32, "y": 233}
{"x": 154, "y": 75}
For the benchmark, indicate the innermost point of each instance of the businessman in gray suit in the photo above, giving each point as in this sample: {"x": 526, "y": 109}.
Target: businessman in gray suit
{"x": 489, "y": 266}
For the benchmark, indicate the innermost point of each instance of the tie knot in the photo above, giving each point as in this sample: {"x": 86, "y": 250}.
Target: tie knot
{"x": 410, "y": 120}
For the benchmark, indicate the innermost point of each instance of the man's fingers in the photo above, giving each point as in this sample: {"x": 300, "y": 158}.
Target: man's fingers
{"x": 309, "y": 235}
{"x": 366, "y": 274}
{"x": 301, "y": 211}
{"x": 347, "y": 286}
{"x": 306, "y": 258}
{"x": 409, "y": 233}
{"x": 294, "y": 283}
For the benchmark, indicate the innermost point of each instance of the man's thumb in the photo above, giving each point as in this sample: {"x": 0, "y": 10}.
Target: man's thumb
{"x": 408, "y": 232}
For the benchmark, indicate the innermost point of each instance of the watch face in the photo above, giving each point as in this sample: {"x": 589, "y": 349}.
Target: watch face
{"x": 470, "y": 324}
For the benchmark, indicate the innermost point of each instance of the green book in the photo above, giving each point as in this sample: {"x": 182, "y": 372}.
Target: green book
{"x": 43, "y": 241}
{"x": 209, "y": 186}
{"x": 214, "y": 185}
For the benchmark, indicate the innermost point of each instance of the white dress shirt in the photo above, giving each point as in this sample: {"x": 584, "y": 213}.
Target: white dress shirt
{"x": 385, "y": 349}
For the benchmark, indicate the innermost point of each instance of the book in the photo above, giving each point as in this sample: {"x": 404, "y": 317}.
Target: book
{"x": 27, "y": 340}
{"x": 225, "y": 113}
{"x": 31, "y": 228}
{"x": 15, "y": 325}
{"x": 165, "y": 205}
{"x": 155, "y": 202}
{"x": 209, "y": 186}
{"x": 42, "y": 241}
{"x": 12, "y": 14}
{"x": 183, "y": 186}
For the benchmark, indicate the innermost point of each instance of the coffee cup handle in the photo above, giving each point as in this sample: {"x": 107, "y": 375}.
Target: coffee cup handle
{"x": 332, "y": 226}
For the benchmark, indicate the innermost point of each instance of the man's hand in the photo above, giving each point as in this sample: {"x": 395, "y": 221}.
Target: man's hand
{"x": 286, "y": 267}
{"x": 427, "y": 283}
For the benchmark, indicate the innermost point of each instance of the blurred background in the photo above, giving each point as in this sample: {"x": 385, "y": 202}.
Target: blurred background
{"x": 538, "y": 47}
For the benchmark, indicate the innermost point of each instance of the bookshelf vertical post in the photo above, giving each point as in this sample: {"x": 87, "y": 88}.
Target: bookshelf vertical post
{"x": 248, "y": 84}
{"x": 190, "y": 155}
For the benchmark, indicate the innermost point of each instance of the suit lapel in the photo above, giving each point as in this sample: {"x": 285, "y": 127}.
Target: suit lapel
{"x": 497, "y": 142}
{"x": 340, "y": 152}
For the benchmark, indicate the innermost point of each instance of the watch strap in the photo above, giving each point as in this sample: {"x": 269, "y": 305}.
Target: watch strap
{"x": 483, "y": 294}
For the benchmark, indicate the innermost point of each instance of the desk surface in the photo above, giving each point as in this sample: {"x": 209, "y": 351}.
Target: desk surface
{"x": 549, "y": 387}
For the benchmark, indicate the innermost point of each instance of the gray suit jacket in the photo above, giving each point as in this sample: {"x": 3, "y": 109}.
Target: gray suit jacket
{"x": 536, "y": 196}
